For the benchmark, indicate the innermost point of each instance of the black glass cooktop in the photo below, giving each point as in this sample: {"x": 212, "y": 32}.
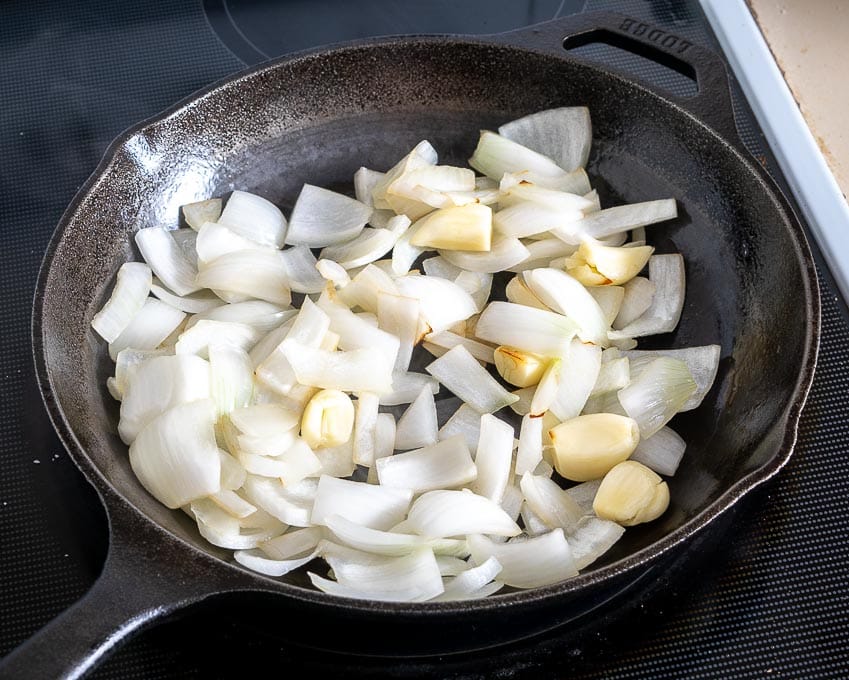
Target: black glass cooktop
{"x": 768, "y": 600}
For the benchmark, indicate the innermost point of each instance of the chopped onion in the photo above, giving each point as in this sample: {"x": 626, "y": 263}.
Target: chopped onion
{"x": 662, "y": 452}
{"x": 399, "y": 316}
{"x": 656, "y": 393}
{"x": 443, "y": 514}
{"x": 565, "y": 132}
{"x": 255, "y": 560}
{"x": 538, "y": 561}
{"x": 625, "y": 217}
{"x": 406, "y": 387}
{"x": 127, "y": 299}
{"x": 496, "y": 155}
{"x": 272, "y": 496}
{"x": 377, "y": 507}
{"x": 261, "y": 315}
{"x": 215, "y": 240}
{"x": 465, "y": 421}
{"x": 504, "y": 253}
{"x": 580, "y": 368}
{"x": 442, "y": 303}
{"x": 702, "y": 362}
{"x": 167, "y": 260}
{"x": 195, "y": 303}
{"x": 365, "y": 429}
{"x": 370, "y": 245}
{"x": 533, "y": 330}
{"x": 322, "y": 218}
{"x": 294, "y": 543}
{"x": 639, "y": 293}
{"x": 446, "y": 464}
{"x": 254, "y": 217}
{"x": 198, "y": 338}
{"x": 458, "y": 370}
{"x": 175, "y": 456}
{"x": 529, "y": 454}
{"x": 231, "y": 377}
{"x": 417, "y": 426}
{"x": 199, "y": 212}
{"x": 446, "y": 340}
{"x": 549, "y": 502}
{"x": 494, "y": 458}
{"x": 592, "y": 538}
{"x": 474, "y": 582}
{"x": 151, "y": 325}
{"x": 387, "y": 542}
{"x": 255, "y": 273}
{"x": 666, "y": 272}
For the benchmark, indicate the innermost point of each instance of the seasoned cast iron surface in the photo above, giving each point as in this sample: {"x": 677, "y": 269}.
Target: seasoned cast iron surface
{"x": 66, "y": 520}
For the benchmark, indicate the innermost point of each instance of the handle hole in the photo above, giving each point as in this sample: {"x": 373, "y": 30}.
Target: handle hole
{"x": 644, "y": 60}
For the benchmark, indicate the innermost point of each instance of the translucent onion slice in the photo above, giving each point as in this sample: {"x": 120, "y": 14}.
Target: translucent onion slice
{"x": 592, "y": 538}
{"x": 656, "y": 393}
{"x": 476, "y": 284}
{"x": 565, "y": 133}
{"x": 215, "y": 240}
{"x": 567, "y": 296}
{"x": 322, "y": 218}
{"x": 442, "y": 303}
{"x": 257, "y": 561}
{"x": 294, "y": 543}
{"x": 625, "y": 217}
{"x": 422, "y": 154}
{"x": 149, "y": 328}
{"x": 259, "y": 314}
{"x": 201, "y": 301}
{"x": 495, "y": 155}
{"x": 229, "y": 500}
{"x": 365, "y": 429}
{"x": 504, "y": 253}
{"x": 417, "y": 427}
{"x": 175, "y": 456}
{"x": 612, "y": 376}
{"x": 254, "y": 217}
{"x": 337, "y": 461}
{"x": 662, "y": 452}
{"x": 377, "y": 507}
{"x": 639, "y": 293}
{"x": 300, "y": 266}
{"x": 199, "y": 212}
{"x": 390, "y": 543}
{"x": 365, "y": 180}
{"x": 580, "y": 368}
{"x": 465, "y": 421}
{"x": 399, "y": 316}
{"x": 460, "y": 372}
{"x": 404, "y": 253}
{"x": 703, "y": 363}
{"x": 473, "y": 583}
{"x": 494, "y": 458}
{"x": 255, "y": 273}
{"x": 233, "y": 475}
{"x": 446, "y": 464}
{"x": 666, "y": 272}
{"x": 575, "y": 182}
{"x": 127, "y": 361}
{"x": 271, "y": 495}
{"x": 359, "y": 370}
{"x": 609, "y": 298}
{"x": 225, "y": 531}
{"x": 512, "y": 501}
{"x": 529, "y": 453}
{"x": 534, "y": 526}
{"x": 369, "y": 245}
{"x": 541, "y": 253}
{"x": 265, "y": 420}
{"x": 549, "y": 502}
{"x": 584, "y": 494}
{"x": 406, "y": 387}
{"x": 157, "y": 385}
{"x": 439, "y": 266}
{"x": 167, "y": 260}
{"x": 197, "y": 339}
{"x": 567, "y": 204}
{"x": 533, "y": 330}
{"x": 447, "y": 340}
{"x": 446, "y": 513}
{"x": 128, "y": 297}
{"x": 231, "y": 377}
{"x": 365, "y": 286}
{"x": 411, "y": 578}
{"x": 357, "y": 333}
{"x": 537, "y": 561}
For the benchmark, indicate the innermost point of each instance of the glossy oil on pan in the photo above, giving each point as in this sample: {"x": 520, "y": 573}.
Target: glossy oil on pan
{"x": 317, "y": 117}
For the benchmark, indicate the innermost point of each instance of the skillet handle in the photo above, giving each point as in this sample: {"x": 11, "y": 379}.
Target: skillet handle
{"x": 141, "y": 583}
{"x": 712, "y": 103}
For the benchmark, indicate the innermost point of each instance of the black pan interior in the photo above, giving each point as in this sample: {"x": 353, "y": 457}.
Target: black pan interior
{"x": 318, "y": 118}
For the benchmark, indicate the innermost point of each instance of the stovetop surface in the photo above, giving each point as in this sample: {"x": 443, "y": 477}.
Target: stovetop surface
{"x": 769, "y": 601}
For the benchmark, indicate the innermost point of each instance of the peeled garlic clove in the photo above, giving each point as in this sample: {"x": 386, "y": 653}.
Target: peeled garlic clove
{"x": 328, "y": 419}
{"x": 466, "y": 227}
{"x": 631, "y": 494}
{"x": 596, "y": 264}
{"x": 518, "y": 367}
{"x": 588, "y": 446}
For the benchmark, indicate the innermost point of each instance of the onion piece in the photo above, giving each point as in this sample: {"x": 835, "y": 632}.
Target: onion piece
{"x": 265, "y": 420}
{"x": 638, "y": 296}
{"x": 364, "y": 288}
{"x": 549, "y": 502}
{"x": 447, "y": 340}
{"x": 337, "y": 461}
{"x": 225, "y": 531}
{"x": 439, "y": 266}
{"x": 197, "y": 339}
{"x": 666, "y": 272}
{"x": 445, "y": 513}
{"x": 567, "y": 296}
{"x": 592, "y": 538}
{"x": 257, "y": 561}
{"x": 609, "y": 298}
{"x": 406, "y": 386}
{"x": 294, "y": 543}
{"x": 538, "y": 561}
{"x": 153, "y": 323}
{"x": 272, "y": 496}
{"x": 195, "y": 303}
{"x": 231, "y": 377}
{"x": 299, "y": 264}
{"x": 625, "y": 217}
{"x": 259, "y": 314}
{"x": 533, "y": 330}
{"x": 128, "y": 297}
{"x": 357, "y": 333}
{"x": 460, "y": 372}
{"x": 255, "y": 273}
{"x": 417, "y": 426}
{"x": 399, "y": 316}
{"x": 529, "y": 454}
{"x": 442, "y": 303}
{"x": 254, "y": 217}
{"x": 656, "y": 393}
{"x": 446, "y": 464}
{"x": 370, "y": 245}
{"x": 175, "y": 456}
{"x": 323, "y": 218}
{"x": 564, "y": 132}
{"x": 359, "y": 370}
{"x": 612, "y": 376}
{"x": 215, "y": 240}
{"x": 377, "y": 507}
{"x": 167, "y": 260}
{"x": 662, "y": 452}
{"x": 365, "y": 425}
{"x": 504, "y": 253}
{"x": 702, "y": 362}
{"x": 494, "y": 458}
{"x": 583, "y": 494}
{"x": 422, "y": 154}
{"x": 541, "y": 253}
{"x": 411, "y": 578}
{"x": 580, "y": 368}
{"x": 495, "y": 155}
{"x": 473, "y": 583}
{"x": 465, "y": 421}
{"x": 390, "y": 543}
{"x": 199, "y": 212}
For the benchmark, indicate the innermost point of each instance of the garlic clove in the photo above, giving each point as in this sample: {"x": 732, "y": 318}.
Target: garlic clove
{"x": 328, "y": 419}
{"x": 631, "y": 494}
{"x": 518, "y": 367}
{"x": 466, "y": 227}
{"x": 588, "y": 446}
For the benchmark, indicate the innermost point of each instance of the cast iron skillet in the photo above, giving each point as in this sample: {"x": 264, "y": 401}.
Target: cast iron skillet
{"x": 316, "y": 117}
